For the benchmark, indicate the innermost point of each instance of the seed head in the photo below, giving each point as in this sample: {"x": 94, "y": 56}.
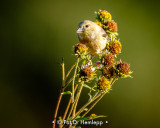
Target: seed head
{"x": 115, "y": 47}
{"x": 109, "y": 72}
{"x": 123, "y": 68}
{"x": 79, "y": 49}
{"x": 108, "y": 60}
{"x": 86, "y": 73}
{"x": 103, "y": 84}
{"x": 104, "y": 16}
{"x": 112, "y": 26}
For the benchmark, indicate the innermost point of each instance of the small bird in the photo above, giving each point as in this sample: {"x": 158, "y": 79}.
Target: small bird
{"x": 93, "y": 36}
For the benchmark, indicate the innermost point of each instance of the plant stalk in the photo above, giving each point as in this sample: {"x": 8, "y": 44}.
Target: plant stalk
{"x": 74, "y": 76}
{"x": 88, "y": 103}
{"x": 60, "y": 95}
{"x": 72, "y": 106}
{"x": 77, "y": 98}
{"x": 93, "y": 104}
{"x": 69, "y": 103}
{"x": 99, "y": 98}
{"x": 76, "y": 101}
{"x": 69, "y": 71}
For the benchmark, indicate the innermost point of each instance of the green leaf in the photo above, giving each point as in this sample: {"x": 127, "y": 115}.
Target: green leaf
{"x": 66, "y": 93}
{"x": 76, "y": 82}
{"x": 86, "y": 86}
{"x": 75, "y": 118}
{"x": 89, "y": 118}
{"x": 85, "y": 61}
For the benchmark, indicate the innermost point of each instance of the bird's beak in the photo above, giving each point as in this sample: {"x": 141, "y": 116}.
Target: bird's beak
{"x": 80, "y": 30}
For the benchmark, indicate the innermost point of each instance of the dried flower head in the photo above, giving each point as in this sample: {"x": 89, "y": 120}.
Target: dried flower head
{"x": 79, "y": 49}
{"x": 123, "y": 68}
{"x": 112, "y": 26}
{"x": 115, "y": 47}
{"x": 86, "y": 73}
{"x": 104, "y": 16}
{"x": 109, "y": 72}
{"x": 108, "y": 60}
{"x": 103, "y": 84}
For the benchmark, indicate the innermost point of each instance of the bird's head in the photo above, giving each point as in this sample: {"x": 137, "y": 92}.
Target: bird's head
{"x": 87, "y": 28}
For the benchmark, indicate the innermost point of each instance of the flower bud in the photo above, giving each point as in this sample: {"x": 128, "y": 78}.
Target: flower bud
{"x": 86, "y": 73}
{"x": 109, "y": 72}
{"x": 123, "y": 68}
{"x": 108, "y": 60}
{"x": 115, "y": 47}
{"x": 104, "y": 16}
{"x": 112, "y": 26}
{"x": 103, "y": 84}
{"x": 79, "y": 49}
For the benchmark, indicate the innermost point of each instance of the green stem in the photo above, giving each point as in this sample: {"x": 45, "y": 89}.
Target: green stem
{"x": 73, "y": 104}
{"x": 60, "y": 95}
{"x": 93, "y": 99}
{"x": 114, "y": 80}
{"x": 74, "y": 76}
{"x": 69, "y": 71}
{"x": 69, "y": 103}
{"x": 76, "y": 101}
{"x": 63, "y": 73}
{"x": 77, "y": 98}
{"x": 93, "y": 104}
{"x": 68, "y": 82}
{"x": 99, "y": 98}
{"x": 88, "y": 103}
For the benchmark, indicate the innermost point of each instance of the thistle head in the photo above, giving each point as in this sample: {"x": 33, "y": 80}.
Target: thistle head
{"x": 103, "y": 16}
{"x": 109, "y": 72}
{"x": 80, "y": 49}
{"x": 86, "y": 73}
{"x": 108, "y": 60}
{"x": 103, "y": 84}
{"x": 123, "y": 69}
{"x": 115, "y": 47}
{"x": 112, "y": 26}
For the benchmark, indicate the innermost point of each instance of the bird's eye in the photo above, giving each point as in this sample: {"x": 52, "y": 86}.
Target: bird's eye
{"x": 87, "y": 26}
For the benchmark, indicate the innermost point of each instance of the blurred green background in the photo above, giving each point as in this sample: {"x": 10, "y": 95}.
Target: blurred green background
{"x": 34, "y": 35}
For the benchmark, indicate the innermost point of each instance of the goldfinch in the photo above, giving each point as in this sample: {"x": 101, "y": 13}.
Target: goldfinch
{"x": 93, "y": 36}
